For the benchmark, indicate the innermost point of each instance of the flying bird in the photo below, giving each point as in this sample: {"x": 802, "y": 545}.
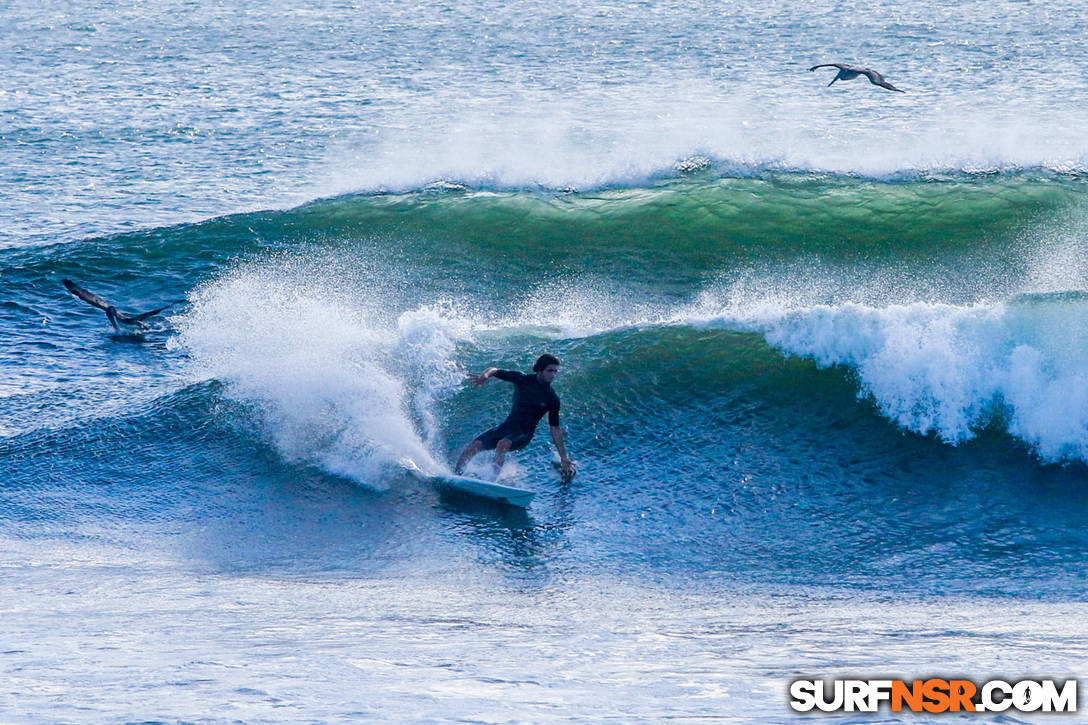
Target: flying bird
{"x": 112, "y": 313}
{"x": 850, "y": 72}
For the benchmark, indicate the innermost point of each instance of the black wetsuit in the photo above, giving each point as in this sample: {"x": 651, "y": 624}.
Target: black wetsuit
{"x": 532, "y": 399}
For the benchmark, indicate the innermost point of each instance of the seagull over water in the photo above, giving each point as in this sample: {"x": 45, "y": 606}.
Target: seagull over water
{"x": 850, "y": 72}
{"x": 112, "y": 313}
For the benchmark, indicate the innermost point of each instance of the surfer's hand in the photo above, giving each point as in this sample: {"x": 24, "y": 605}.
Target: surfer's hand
{"x": 482, "y": 377}
{"x": 568, "y": 468}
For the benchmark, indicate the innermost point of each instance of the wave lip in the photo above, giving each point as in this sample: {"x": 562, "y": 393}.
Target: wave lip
{"x": 686, "y": 165}
{"x": 646, "y": 131}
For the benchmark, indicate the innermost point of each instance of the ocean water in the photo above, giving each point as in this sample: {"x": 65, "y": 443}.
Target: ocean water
{"x": 824, "y": 356}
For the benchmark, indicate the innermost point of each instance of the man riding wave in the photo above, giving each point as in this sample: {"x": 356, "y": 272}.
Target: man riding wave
{"x": 533, "y": 397}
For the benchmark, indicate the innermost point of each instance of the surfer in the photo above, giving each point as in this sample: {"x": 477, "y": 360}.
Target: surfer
{"x": 533, "y": 397}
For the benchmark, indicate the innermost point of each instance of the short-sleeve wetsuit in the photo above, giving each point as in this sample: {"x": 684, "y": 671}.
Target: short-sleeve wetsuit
{"x": 532, "y": 399}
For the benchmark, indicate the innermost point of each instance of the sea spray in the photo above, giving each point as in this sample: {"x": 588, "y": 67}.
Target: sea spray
{"x": 426, "y": 345}
{"x": 329, "y": 382}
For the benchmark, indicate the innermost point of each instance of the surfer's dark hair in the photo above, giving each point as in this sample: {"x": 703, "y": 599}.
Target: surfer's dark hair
{"x": 544, "y": 361}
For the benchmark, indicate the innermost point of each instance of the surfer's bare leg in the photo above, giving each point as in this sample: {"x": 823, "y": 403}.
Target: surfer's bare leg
{"x": 470, "y": 450}
{"x": 500, "y": 453}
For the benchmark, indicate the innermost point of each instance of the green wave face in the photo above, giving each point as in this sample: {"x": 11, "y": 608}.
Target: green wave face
{"x": 724, "y": 219}
{"x": 678, "y": 229}
{"x": 952, "y": 239}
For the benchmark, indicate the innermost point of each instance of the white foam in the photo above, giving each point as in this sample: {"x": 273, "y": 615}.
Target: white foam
{"x": 426, "y": 343}
{"x": 599, "y": 137}
{"x": 580, "y": 307}
{"x": 334, "y": 385}
{"x": 947, "y": 369}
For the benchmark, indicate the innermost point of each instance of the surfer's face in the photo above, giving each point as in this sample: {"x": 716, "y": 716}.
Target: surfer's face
{"x": 548, "y": 374}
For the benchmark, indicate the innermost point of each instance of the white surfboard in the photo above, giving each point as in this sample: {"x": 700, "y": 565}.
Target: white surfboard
{"x": 486, "y": 489}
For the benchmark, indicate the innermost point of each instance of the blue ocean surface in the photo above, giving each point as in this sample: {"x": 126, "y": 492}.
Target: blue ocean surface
{"x": 824, "y": 356}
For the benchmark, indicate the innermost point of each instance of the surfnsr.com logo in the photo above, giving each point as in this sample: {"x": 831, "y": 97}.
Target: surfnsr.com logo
{"x": 933, "y": 695}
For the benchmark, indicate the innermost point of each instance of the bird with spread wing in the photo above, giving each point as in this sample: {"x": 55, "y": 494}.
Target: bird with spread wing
{"x": 114, "y": 315}
{"x": 850, "y": 72}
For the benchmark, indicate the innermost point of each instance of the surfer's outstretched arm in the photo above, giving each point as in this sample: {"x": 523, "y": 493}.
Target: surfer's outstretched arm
{"x": 483, "y": 377}
{"x": 510, "y": 376}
